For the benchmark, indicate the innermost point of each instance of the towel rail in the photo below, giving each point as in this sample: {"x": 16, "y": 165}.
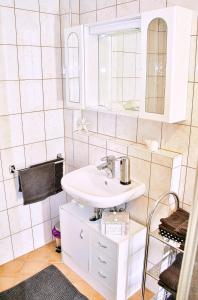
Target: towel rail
{"x": 12, "y": 168}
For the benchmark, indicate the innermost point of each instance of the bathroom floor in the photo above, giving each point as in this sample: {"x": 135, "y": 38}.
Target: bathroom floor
{"x": 25, "y": 266}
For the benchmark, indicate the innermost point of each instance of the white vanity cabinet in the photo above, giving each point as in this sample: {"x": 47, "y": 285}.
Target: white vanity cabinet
{"x": 165, "y": 45}
{"x": 113, "y": 266}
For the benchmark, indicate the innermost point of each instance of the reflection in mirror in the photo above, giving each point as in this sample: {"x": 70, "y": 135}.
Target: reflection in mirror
{"x": 156, "y": 66}
{"x": 73, "y": 68}
{"x": 119, "y": 70}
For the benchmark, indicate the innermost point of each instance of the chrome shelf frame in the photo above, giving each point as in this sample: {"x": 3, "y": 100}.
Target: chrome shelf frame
{"x": 156, "y": 235}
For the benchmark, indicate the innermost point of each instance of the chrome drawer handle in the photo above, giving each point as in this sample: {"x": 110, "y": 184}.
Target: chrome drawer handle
{"x": 101, "y": 260}
{"x": 102, "y": 245}
{"x": 101, "y": 275}
{"x": 81, "y": 234}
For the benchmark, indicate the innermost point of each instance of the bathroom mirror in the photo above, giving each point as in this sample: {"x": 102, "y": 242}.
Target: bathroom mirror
{"x": 73, "y": 82}
{"x": 156, "y": 66}
{"x": 119, "y": 70}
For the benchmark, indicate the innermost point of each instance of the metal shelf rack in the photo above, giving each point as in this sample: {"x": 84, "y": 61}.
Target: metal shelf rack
{"x": 154, "y": 272}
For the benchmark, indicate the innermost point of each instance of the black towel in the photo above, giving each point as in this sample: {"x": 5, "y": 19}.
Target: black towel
{"x": 170, "y": 277}
{"x": 41, "y": 181}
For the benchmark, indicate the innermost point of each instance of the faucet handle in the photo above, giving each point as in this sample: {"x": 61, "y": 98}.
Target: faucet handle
{"x": 108, "y": 158}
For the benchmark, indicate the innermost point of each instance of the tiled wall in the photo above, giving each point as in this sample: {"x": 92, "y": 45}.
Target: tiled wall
{"x": 31, "y": 117}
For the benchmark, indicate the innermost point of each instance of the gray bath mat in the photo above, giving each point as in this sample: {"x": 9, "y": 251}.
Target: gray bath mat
{"x": 49, "y": 284}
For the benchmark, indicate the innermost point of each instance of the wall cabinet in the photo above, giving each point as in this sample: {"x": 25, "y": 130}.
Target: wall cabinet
{"x": 165, "y": 38}
{"x": 137, "y": 65}
{"x": 108, "y": 264}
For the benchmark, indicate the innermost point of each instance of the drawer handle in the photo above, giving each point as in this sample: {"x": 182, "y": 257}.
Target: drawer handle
{"x": 102, "y": 245}
{"x": 101, "y": 260}
{"x": 101, "y": 275}
{"x": 81, "y": 234}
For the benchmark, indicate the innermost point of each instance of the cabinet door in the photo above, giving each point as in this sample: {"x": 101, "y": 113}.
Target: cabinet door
{"x": 165, "y": 44}
{"x": 75, "y": 239}
{"x": 74, "y": 67}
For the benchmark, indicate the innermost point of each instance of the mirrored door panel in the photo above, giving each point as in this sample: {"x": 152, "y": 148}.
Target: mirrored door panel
{"x": 156, "y": 66}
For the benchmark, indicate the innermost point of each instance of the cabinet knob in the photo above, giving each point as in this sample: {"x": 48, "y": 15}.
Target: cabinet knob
{"x": 81, "y": 234}
{"x": 102, "y": 245}
{"x": 102, "y": 261}
{"x": 101, "y": 275}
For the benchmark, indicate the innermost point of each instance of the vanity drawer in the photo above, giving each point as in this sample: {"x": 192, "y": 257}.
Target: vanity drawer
{"x": 104, "y": 245}
{"x": 102, "y": 269}
{"x": 100, "y": 260}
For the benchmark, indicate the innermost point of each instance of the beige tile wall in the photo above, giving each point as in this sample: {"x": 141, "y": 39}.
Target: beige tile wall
{"x": 31, "y": 117}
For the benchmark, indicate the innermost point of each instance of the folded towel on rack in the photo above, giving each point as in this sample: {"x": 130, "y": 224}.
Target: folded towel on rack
{"x": 182, "y": 229}
{"x": 41, "y": 181}
{"x": 175, "y": 219}
{"x": 169, "y": 278}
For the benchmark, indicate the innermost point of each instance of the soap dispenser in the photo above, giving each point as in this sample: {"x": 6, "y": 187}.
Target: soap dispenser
{"x": 125, "y": 170}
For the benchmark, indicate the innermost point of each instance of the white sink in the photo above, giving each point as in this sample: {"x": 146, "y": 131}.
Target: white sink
{"x": 91, "y": 187}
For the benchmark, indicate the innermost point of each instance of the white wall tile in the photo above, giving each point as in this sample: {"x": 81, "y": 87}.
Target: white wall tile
{"x": 29, "y": 5}
{"x": 7, "y": 3}
{"x": 28, "y": 28}
{"x": 75, "y": 6}
{"x": 95, "y": 154}
{"x": 13, "y": 196}
{"x": 176, "y": 138}
{"x": 29, "y": 62}
{"x": 52, "y": 55}
{"x": 42, "y": 234}
{"x": 138, "y": 209}
{"x": 152, "y": 4}
{"x": 118, "y": 145}
{"x": 8, "y": 33}
{"x": 8, "y": 62}
{"x": 150, "y": 130}
{"x": 50, "y": 30}
{"x": 99, "y": 140}
{"x": 30, "y": 134}
{"x": 126, "y": 128}
{"x": 108, "y": 13}
{"x": 6, "y": 253}
{"x": 11, "y": 131}
{"x": 106, "y": 123}
{"x": 68, "y": 117}
{"x": 193, "y": 153}
{"x": 195, "y": 106}
{"x": 192, "y": 58}
{"x": 31, "y": 95}
{"x": 35, "y": 153}
{"x": 127, "y": 9}
{"x": 9, "y": 98}
{"x": 75, "y": 19}
{"x": 40, "y": 212}
{"x": 4, "y": 224}
{"x": 22, "y": 242}
{"x": 189, "y": 186}
{"x": 69, "y": 151}
{"x": 53, "y": 97}
{"x": 87, "y": 18}
{"x": 49, "y": 6}
{"x": 55, "y": 147}
{"x": 87, "y": 5}
{"x": 160, "y": 181}
{"x": 13, "y": 156}
{"x": 140, "y": 171}
{"x": 80, "y": 154}
{"x": 105, "y": 3}
{"x": 186, "y": 3}
{"x": 92, "y": 119}
{"x": 55, "y": 202}
{"x": 1, "y": 170}
{"x": 19, "y": 218}
{"x": 54, "y": 124}
{"x": 64, "y": 6}
{"x": 3, "y": 205}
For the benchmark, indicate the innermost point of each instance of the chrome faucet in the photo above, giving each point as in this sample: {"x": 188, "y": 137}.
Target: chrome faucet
{"x": 108, "y": 166}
